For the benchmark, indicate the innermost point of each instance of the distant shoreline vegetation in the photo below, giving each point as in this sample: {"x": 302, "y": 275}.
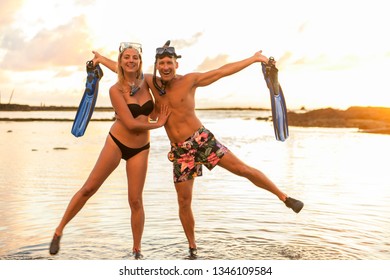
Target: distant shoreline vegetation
{"x": 366, "y": 119}
{"x": 21, "y": 107}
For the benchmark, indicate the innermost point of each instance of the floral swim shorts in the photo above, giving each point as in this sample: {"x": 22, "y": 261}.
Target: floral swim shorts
{"x": 188, "y": 157}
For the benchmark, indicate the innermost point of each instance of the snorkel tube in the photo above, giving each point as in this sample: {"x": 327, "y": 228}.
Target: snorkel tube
{"x": 136, "y": 88}
{"x": 161, "y": 89}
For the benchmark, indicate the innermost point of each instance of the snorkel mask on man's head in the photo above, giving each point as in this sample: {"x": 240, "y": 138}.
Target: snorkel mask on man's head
{"x": 165, "y": 51}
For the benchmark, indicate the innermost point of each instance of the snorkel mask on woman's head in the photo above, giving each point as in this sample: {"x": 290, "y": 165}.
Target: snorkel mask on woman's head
{"x": 140, "y": 75}
{"x": 130, "y": 45}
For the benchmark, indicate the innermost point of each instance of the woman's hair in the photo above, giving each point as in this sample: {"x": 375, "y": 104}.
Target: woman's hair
{"x": 121, "y": 77}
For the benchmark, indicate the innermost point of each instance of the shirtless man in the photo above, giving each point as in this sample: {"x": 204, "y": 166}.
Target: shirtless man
{"x": 193, "y": 145}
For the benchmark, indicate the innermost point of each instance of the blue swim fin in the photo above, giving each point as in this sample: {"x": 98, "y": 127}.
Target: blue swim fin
{"x": 88, "y": 101}
{"x": 278, "y": 103}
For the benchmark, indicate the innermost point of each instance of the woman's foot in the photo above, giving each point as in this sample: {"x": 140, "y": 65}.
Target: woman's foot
{"x": 137, "y": 255}
{"x": 55, "y": 244}
{"x": 193, "y": 252}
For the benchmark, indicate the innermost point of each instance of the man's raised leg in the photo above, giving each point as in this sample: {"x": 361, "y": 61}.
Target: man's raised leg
{"x": 233, "y": 164}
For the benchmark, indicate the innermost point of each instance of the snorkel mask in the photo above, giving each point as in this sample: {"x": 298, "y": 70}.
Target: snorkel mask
{"x": 130, "y": 45}
{"x": 166, "y": 50}
{"x": 138, "y": 47}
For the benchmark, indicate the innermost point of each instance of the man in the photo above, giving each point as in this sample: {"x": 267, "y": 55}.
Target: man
{"x": 192, "y": 145}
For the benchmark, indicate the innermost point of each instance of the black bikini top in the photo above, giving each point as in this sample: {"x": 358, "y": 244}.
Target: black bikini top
{"x": 137, "y": 110}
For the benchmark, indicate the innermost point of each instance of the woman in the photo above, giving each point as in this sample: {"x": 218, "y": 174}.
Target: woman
{"x": 128, "y": 139}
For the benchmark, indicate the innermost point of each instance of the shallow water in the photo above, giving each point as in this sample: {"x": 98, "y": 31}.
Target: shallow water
{"x": 340, "y": 174}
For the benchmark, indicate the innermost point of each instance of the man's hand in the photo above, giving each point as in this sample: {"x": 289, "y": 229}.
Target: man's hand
{"x": 260, "y": 57}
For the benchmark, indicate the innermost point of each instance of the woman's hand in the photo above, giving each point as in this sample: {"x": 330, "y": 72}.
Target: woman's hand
{"x": 163, "y": 115}
{"x": 96, "y": 59}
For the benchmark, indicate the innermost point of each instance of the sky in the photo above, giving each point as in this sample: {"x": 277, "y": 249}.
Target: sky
{"x": 329, "y": 53}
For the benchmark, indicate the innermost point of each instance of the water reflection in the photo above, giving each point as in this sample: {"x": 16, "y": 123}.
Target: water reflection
{"x": 337, "y": 172}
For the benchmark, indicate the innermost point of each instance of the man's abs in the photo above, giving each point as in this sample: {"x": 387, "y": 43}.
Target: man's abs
{"x": 179, "y": 130}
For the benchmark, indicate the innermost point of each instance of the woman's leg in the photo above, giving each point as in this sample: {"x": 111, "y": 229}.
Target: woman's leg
{"x": 136, "y": 168}
{"x": 108, "y": 160}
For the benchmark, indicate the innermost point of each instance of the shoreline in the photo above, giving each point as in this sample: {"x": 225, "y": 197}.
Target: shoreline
{"x": 366, "y": 119}
{"x": 27, "y": 108}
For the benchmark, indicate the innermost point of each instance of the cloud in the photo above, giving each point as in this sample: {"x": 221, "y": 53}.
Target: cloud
{"x": 85, "y": 3}
{"x": 283, "y": 60}
{"x": 303, "y": 27}
{"x": 185, "y": 43}
{"x": 12, "y": 40}
{"x": 212, "y": 63}
{"x": 65, "y": 45}
{"x": 3, "y": 76}
{"x": 7, "y": 12}
{"x": 322, "y": 62}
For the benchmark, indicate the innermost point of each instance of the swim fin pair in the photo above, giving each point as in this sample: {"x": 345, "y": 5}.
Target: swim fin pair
{"x": 278, "y": 103}
{"x": 88, "y": 101}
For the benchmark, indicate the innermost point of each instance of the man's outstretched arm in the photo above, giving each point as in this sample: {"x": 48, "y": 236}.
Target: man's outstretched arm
{"x": 207, "y": 78}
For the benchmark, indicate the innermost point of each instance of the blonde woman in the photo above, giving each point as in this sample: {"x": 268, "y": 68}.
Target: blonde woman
{"x": 128, "y": 139}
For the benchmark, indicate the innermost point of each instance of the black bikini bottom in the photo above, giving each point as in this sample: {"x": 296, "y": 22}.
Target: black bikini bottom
{"x": 127, "y": 152}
